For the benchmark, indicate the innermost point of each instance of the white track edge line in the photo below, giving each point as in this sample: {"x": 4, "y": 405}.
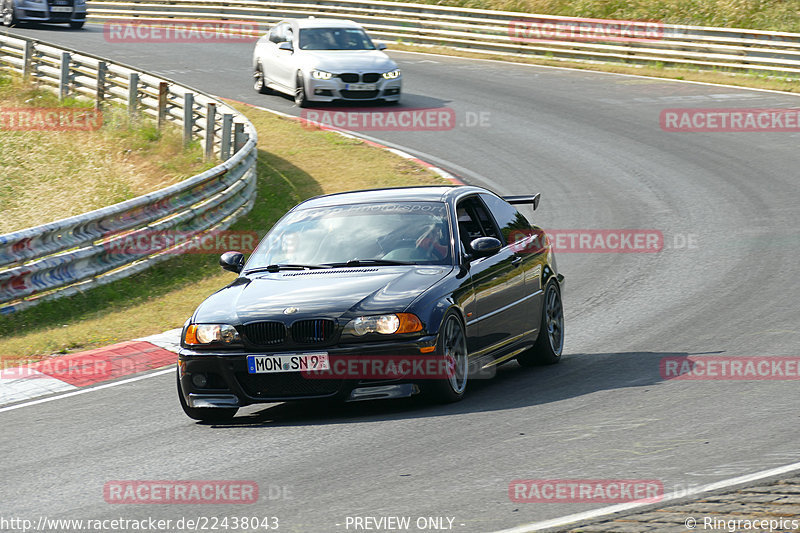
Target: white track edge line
{"x": 88, "y": 389}
{"x": 611, "y": 509}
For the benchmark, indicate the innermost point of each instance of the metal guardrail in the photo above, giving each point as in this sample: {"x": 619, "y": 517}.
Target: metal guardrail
{"x": 499, "y": 32}
{"x": 73, "y": 254}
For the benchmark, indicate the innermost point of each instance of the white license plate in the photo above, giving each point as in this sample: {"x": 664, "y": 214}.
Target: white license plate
{"x": 287, "y": 362}
{"x": 60, "y": 9}
{"x": 360, "y": 86}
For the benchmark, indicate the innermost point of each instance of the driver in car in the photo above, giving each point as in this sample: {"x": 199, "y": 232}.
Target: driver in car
{"x": 434, "y": 243}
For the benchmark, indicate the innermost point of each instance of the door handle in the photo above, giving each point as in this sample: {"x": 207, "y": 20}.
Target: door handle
{"x": 516, "y": 261}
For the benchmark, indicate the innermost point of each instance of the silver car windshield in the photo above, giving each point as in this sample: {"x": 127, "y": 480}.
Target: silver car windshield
{"x": 335, "y": 39}
{"x": 408, "y": 232}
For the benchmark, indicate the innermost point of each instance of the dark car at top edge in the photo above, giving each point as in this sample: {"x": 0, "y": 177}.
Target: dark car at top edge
{"x": 14, "y": 12}
{"x": 428, "y": 285}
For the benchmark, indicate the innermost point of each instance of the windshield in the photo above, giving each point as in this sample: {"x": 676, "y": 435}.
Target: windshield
{"x": 335, "y": 39}
{"x": 413, "y": 232}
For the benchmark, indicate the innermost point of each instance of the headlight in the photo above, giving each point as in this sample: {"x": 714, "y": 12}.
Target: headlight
{"x": 199, "y": 334}
{"x": 384, "y": 324}
{"x": 321, "y": 75}
{"x": 392, "y": 74}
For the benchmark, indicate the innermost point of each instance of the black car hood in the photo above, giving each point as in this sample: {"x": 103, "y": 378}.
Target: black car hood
{"x": 319, "y": 293}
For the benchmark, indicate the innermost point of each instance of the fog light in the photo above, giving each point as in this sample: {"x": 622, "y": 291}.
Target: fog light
{"x": 199, "y": 380}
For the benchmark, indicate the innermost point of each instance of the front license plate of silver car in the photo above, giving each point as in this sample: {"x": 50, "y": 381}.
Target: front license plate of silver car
{"x": 360, "y": 86}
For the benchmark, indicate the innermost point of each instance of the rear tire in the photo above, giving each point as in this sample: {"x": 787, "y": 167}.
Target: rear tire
{"x": 452, "y": 344}
{"x": 550, "y": 343}
{"x": 204, "y": 414}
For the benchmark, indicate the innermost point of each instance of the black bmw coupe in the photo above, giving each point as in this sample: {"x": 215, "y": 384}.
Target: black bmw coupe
{"x": 375, "y": 294}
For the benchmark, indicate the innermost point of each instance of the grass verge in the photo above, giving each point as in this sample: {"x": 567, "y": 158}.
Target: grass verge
{"x": 50, "y": 175}
{"x": 777, "y": 15}
{"x": 294, "y": 163}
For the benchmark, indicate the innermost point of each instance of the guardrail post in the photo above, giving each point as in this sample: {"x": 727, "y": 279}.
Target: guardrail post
{"x": 100, "y": 79}
{"x": 63, "y": 79}
{"x": 225, "y": 145}
{"x": 211, "y": 119}
{"x": 188, "y": 118}
{"x": 239, "y": 138}
{"x": 163, "y": 87}
{"x": 133, "y": 95}
{"x": 27, "y": 60}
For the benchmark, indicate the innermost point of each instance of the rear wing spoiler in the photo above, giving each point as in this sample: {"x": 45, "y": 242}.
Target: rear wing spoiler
{"x": 532, "y": 199}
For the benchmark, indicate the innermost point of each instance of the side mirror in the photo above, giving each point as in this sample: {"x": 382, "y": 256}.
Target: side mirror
{"x": 381, "y": 46}
{"x": 232, "y": 261}
{"x": 286, "y": 45}
{"x": 485, "y": 246}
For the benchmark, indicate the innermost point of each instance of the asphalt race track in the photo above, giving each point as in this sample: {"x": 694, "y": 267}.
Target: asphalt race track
{"x": 592, "y": 145}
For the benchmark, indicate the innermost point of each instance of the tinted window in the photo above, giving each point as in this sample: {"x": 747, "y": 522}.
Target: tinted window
{"x": 473, "y": 221}
{"x": 506, "y": 215}
{"x": 334, "y": 39}
{"x": 416, "y": 232}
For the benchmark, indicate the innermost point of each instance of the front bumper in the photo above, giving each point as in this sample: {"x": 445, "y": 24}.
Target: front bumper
{"x": 335, "y": 89}
{"x": 228, "y": 383}
{"x": 48, "y": 12}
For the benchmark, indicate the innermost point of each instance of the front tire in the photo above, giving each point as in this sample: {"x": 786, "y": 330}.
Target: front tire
{"x": 452, "y": 345}
{"x": 259, "y": 83}
{"x": 204, "y": 414}
{"x": 77, "y": 24}
{"x": 7, "y": 16}
{"x": 300, "y": 98}
{"x": 550, "y": 343}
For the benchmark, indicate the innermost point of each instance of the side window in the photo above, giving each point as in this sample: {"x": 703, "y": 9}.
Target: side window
{"x": 473, "y": 221}
{"x": 277, "y": 35}
{"x": 506, "y": 215}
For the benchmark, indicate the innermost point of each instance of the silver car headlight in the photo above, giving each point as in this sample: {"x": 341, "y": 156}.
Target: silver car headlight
{"x": 392, "y": 74}
{"x": 321, "y": 75}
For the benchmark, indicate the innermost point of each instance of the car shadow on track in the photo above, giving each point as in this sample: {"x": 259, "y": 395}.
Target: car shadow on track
{"x": 53, "y": 26}
{"x": 512, "y": 387}
{"x": 408, "y": 101}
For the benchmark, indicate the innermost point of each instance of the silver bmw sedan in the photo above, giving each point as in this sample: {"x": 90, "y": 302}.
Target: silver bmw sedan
{"x": 324, "y": 60}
